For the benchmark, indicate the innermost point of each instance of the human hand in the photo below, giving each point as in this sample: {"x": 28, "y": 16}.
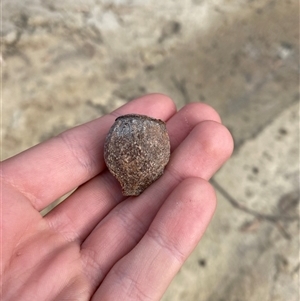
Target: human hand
{"x": 98, "y": 244}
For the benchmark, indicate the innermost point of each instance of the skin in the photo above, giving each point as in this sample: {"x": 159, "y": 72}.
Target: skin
{"x": 98, "y": 244}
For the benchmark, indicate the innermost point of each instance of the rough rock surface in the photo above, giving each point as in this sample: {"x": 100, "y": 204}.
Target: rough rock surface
{"x": 136, "y": 151}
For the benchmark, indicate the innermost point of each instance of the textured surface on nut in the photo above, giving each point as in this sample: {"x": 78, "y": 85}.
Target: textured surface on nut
{"x": 136, "y": 151}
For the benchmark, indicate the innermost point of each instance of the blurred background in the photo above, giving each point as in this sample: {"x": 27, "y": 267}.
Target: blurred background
{"x": 67, "y": 62}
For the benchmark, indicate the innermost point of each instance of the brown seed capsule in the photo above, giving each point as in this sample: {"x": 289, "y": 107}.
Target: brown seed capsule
{"x": 136, "y": 151}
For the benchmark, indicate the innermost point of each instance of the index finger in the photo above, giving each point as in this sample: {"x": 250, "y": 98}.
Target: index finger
{"x": 48, "y": 170}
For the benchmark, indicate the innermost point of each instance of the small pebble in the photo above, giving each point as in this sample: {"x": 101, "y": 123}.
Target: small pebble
{"x": 136, "y": 151}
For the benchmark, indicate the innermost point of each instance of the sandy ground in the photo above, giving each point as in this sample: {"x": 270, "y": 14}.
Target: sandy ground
{"x": 67, "y": 62}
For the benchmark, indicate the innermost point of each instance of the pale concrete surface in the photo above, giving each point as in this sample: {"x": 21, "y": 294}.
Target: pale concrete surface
{"x": 67, "y": 62}
{"x": 251, "y": 255}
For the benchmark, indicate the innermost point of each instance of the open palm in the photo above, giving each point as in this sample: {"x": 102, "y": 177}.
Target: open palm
{"x": 98, "y": 244}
